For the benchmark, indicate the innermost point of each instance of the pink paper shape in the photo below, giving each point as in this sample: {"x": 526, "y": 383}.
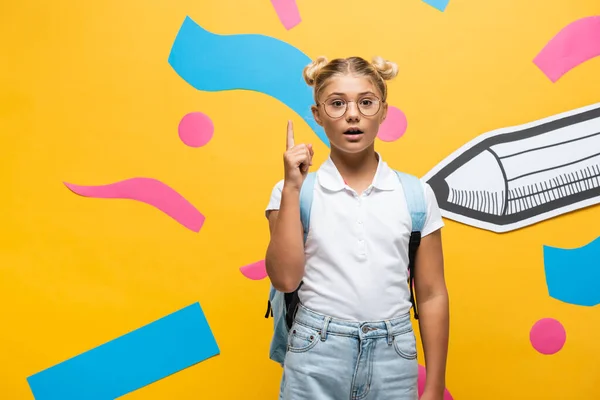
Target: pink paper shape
{"x": 394, "y": 125}
{"x": 548, "y": 336}
{"x": 574, "y": 44}
{"x": 255, "y": 271}
{"x": 149, "y": 191}
{"x": 287, "y": 11}
{"x": 421, "y": 384}
{"x": 196, "y": 129}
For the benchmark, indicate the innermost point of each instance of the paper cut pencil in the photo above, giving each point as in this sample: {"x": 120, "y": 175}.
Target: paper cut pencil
{"x": 513, "y": 177}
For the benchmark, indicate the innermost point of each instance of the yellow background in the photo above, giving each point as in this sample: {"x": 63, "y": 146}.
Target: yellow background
{"x": 87, "y": 96}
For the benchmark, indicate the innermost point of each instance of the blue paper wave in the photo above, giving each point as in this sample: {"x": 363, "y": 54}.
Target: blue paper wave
{"x": 573, "y": 275}
{"x": 212, "y": 62}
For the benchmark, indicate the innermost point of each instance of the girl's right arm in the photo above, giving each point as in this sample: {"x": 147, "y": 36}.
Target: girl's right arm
{"x": 284, "y": 260}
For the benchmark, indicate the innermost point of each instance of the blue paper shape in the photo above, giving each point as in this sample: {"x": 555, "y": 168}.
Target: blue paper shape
{"x": 439, "y": 4}
{"x": 134, "y": 360}
{"x": 212, "y": 62}
{"x": 573, "y": 275}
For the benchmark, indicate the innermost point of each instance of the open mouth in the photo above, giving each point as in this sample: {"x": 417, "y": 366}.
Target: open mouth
{"x": 353, "y": 131}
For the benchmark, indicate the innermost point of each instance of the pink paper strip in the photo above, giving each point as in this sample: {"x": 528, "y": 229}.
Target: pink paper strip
{"x": 287, "y": 11}
{"x": 255, "y": 271}
{"x": 574, "y": 44}
{"x": 149, "y": 191}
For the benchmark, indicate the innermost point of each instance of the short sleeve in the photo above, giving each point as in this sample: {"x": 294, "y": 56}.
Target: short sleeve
{"x": 434, "y": 221}
{"x": 275, "y": 199}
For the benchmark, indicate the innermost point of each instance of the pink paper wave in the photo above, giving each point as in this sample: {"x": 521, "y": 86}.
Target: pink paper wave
{"x": 287, "y": 11}
{"x": 255, "y": 271}
{"x": 576, "y": 43}
{"x": 149, "y": 191}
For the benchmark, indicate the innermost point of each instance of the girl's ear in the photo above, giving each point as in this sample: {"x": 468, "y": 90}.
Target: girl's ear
{"x": 384, "y": 110}
{"x": 316, "y": 114}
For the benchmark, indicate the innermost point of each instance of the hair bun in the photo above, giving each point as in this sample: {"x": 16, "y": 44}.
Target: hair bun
{"x": 387, "y": 69}
{"x": 311, "y": 71}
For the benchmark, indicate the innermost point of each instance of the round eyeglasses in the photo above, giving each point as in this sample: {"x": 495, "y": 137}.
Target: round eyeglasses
{"x": 367, "y": 106}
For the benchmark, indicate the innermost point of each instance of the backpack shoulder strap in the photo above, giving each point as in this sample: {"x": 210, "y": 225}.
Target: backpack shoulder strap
{"x": 282, "y": 306}
{"x": 306, "y": 198}
{"x": 417, "y": 206}
{"x": 415, "y": 198}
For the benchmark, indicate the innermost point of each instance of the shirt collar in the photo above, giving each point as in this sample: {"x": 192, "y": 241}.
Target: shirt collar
{"x": 330, "y": 178}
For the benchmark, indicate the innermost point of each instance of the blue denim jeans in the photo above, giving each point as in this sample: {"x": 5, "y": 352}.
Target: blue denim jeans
{"x": 331, "y": 359}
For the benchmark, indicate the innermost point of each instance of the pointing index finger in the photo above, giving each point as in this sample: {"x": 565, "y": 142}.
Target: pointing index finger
{"x": 290, "y": 136}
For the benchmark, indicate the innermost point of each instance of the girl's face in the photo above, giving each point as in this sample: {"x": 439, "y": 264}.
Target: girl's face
{"x": 350, "y": 110}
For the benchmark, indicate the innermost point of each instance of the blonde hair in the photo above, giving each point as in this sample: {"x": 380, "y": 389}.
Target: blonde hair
{"x": 318, "y": 72}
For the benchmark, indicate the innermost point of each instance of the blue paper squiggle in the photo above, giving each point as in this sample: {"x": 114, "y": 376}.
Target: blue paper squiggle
{"x": 573, "y": 275}
{"x": 212, "y": 62}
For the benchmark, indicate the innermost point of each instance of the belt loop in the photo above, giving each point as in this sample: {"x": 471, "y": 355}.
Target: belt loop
{"x": 390, "y": 337}
{"x": 324, "y": 329}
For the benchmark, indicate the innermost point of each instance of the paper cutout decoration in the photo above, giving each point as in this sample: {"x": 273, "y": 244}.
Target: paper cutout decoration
{"x": 255, "y": 271}
{"x": 287, "y": 11}
{"x": 149, "y": 191}
{"x": 132, "y": 361}
{"x": 573, "y": 275}
{"x": 212, "y": 62}
{"x": 548, "y": 336}
{"x": 439, "y": 4}
{"x": 576, "y": 43}
{"x": 421, "y": 384}
{"x": 196, "y": 129}
{"x": 394, "y": 125}
{"x": 513, "y": 177}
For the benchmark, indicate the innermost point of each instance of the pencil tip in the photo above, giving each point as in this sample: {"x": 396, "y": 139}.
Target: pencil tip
{"x": 440, "y": 189}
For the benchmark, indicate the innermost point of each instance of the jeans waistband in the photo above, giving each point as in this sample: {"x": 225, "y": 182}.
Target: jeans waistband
{"x": 368, "y": 329}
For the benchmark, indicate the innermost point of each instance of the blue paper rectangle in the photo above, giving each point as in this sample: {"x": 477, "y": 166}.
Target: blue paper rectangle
{"x": 134, "y": 360}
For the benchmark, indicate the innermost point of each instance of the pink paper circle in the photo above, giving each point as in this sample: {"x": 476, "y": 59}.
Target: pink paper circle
{"x": 421, "y": 384}
{"x": 548, "y": 336}
{"x": 196, "y": 129}
{"x": 394, "y": 125}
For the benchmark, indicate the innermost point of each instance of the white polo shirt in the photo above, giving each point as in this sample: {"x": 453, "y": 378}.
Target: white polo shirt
{"x": 357, "y": 245}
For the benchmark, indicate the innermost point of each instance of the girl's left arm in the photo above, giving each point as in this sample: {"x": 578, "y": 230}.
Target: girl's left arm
{"x": 433, "y": 308}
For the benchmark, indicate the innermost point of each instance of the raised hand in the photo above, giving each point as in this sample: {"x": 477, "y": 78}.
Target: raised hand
{"x": 297, "y": 159}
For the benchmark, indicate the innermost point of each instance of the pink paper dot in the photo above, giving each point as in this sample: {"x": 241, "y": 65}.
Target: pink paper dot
{"x": 196, "y": 129}
{"x": 547, "y": 336}
{"x": 394, "y": 125}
